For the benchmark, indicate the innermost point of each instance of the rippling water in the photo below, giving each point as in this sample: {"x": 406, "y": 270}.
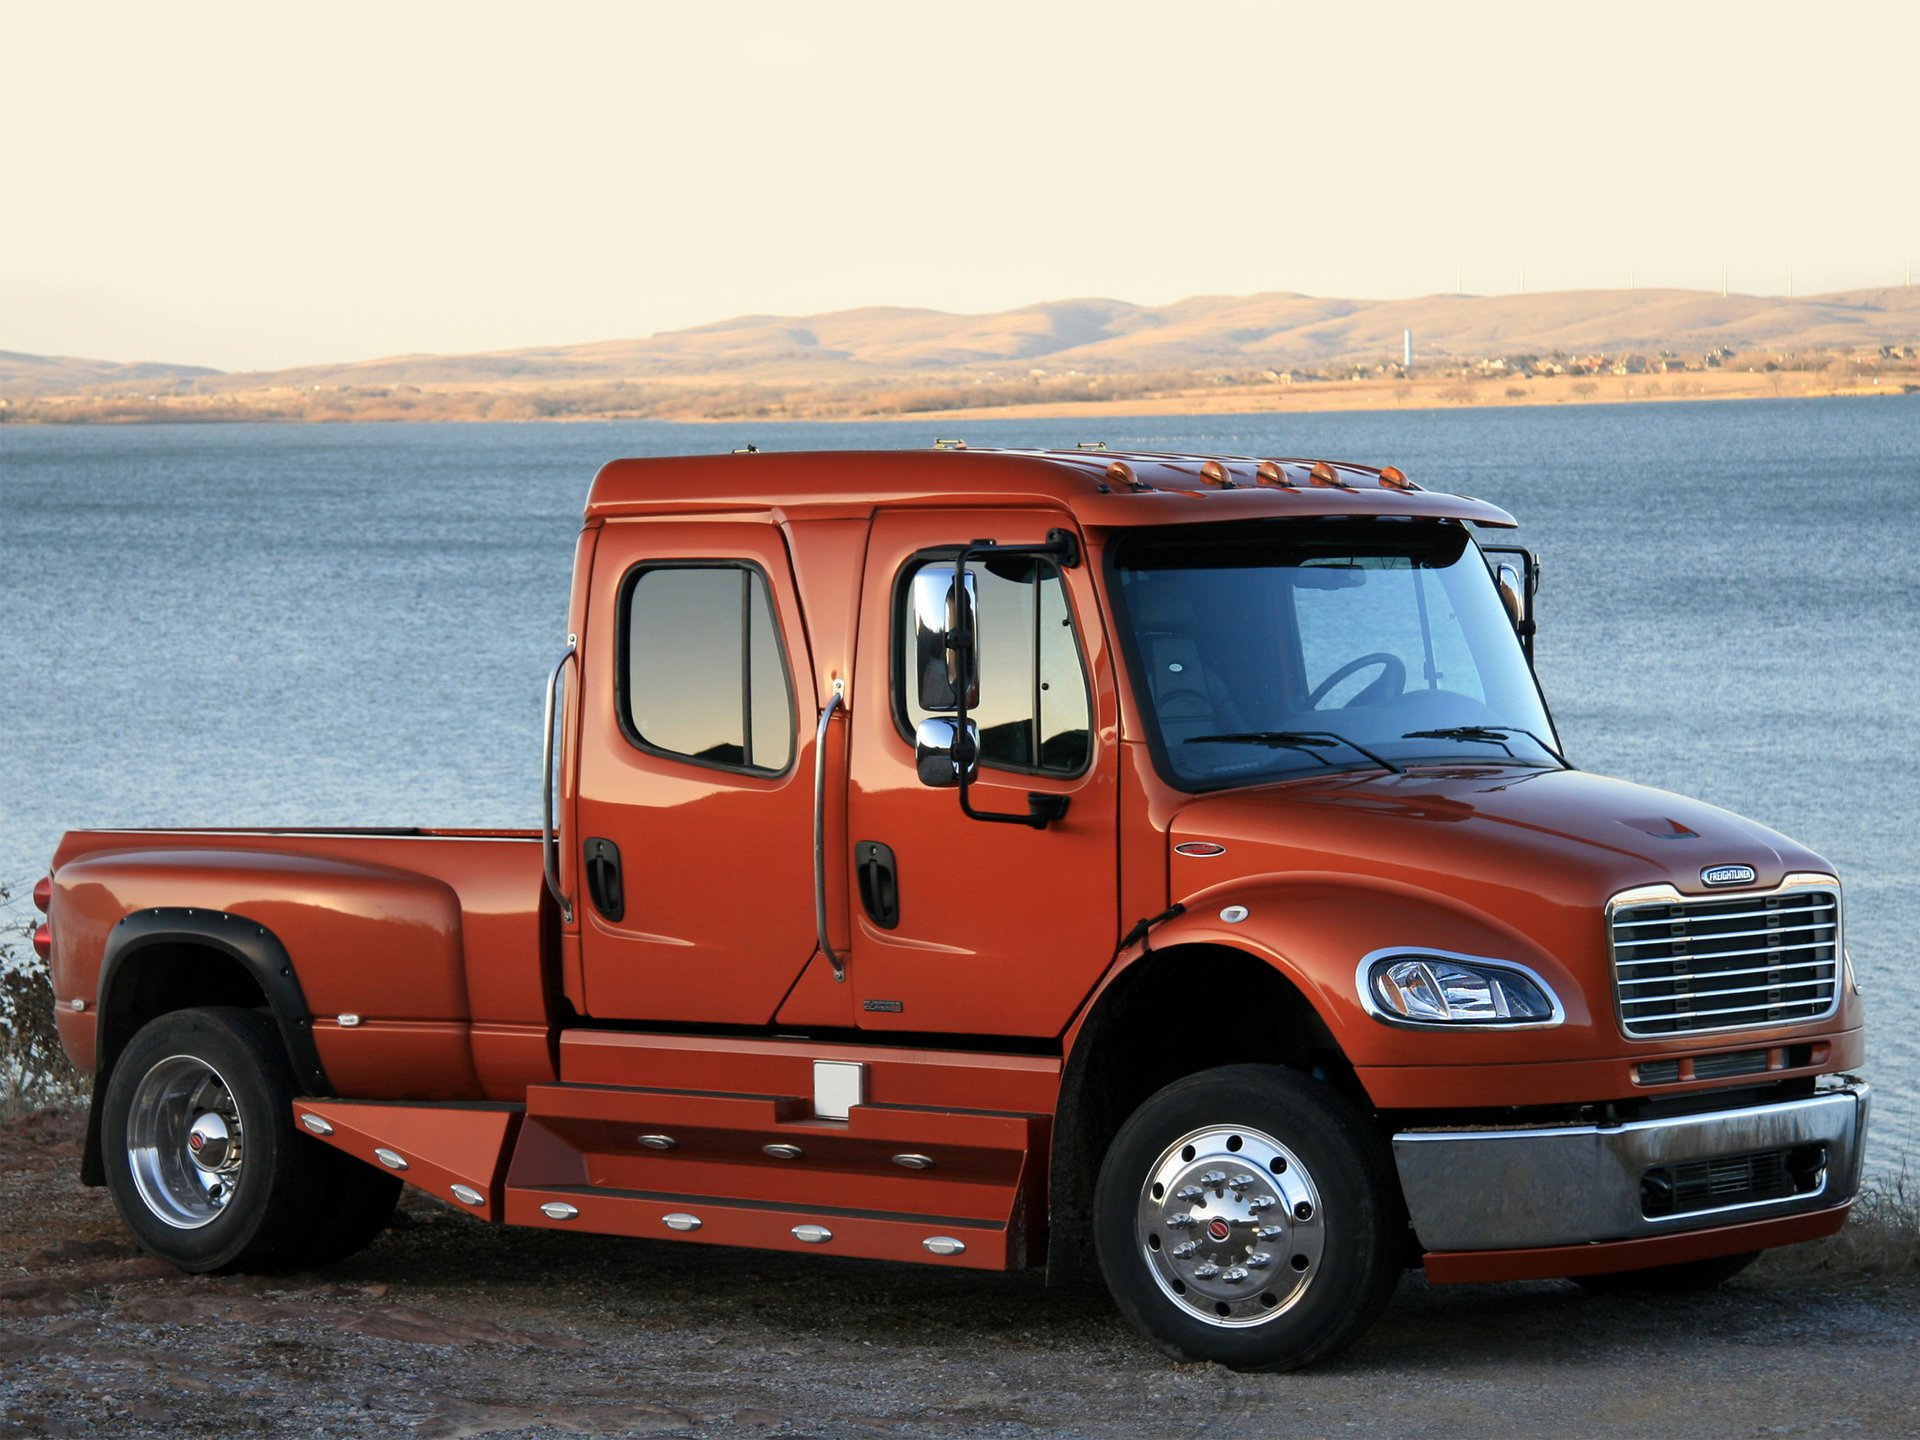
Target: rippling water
{"x": 351, "y": 624}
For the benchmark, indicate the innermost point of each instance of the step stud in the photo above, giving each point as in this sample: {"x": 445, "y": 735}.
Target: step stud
{"x": 467, "y": 1195}
{"x": 558, "y": 1210}
{"x": 658, "y": 1142}
{"x": 679, "y": 1220}
{"x": 783, "y": 1152}
{"x": 392, "y": 1159}
{"x": 812, "y": 1234}
{"x": 914, "y": 1162}
{"x": 316, "y": 1124}
{"x": 945, "y": 1245}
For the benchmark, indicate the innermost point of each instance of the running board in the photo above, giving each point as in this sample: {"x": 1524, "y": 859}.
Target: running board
{"x": 877, "y": 1152}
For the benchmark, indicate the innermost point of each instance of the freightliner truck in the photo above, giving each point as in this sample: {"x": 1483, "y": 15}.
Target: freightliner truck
{"x": 1157, "y": 863}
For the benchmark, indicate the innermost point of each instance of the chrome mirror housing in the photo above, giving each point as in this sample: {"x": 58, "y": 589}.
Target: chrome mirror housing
{"x": 942, "y": 671}
{"x": 941, "y": 753}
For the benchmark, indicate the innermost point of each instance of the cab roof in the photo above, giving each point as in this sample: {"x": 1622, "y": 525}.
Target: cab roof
{"x": 1096, "y": 486}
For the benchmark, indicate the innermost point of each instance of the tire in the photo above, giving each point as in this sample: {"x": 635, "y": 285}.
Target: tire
{"x": 1192, "y": 1167}
{"x": 1688, "y": 1278}
{"x": 201, "y": 1154}
{"x": 357, "y": 1203}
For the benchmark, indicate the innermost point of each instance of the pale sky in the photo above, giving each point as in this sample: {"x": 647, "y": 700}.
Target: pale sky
{"x": 254, "y": 185}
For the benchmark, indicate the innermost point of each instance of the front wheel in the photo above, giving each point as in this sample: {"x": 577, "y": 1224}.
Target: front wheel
{"x": 202, "y": 1158}
{"x": 1249, "y": 1216}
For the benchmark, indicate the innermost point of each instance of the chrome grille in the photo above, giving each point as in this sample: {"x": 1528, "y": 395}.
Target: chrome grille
{"x": 1689, "y": 967}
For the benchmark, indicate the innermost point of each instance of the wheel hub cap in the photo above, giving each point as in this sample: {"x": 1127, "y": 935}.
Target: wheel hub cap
{"x": 1229, "y": 1224}
{"x": 208, "y": 1143}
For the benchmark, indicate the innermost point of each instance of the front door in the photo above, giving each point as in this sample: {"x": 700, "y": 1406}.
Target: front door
{"x": 977, "y": 927}
{"x": 694, "y": 818}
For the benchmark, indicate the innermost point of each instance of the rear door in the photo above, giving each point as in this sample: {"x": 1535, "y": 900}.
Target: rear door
{"x": 694, "y": 819}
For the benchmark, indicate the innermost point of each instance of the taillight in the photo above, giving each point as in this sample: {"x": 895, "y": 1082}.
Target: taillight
{"x": 43, "y": 940}
{"x": 43, "y": 894}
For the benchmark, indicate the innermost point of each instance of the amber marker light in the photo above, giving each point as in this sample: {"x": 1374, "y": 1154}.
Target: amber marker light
{"x": 1324, "y": 474}
{"x": 1270, "y": 473}
{"x": 1395, "y": 478}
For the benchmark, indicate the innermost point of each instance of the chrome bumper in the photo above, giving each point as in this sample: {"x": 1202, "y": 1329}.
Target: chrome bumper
{"x": 1568, "y": 1185}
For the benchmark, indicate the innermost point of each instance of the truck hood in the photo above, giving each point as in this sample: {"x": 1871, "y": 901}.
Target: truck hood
{"x": 1559, "y": 838}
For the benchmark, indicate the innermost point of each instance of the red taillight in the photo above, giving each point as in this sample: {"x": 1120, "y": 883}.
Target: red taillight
{"x": 43, "y": 940}
{"x": 43, "y": 894}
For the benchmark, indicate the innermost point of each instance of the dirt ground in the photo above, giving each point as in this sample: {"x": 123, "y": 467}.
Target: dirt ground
{"x": 447, "y": 1328}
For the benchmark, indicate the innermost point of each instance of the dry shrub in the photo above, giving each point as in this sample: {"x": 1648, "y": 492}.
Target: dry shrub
{"x": 34, "y": 1070}
{"x": 1882, "y": 1237}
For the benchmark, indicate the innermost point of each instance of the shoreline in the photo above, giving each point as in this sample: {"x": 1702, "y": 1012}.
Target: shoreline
{"x": 688, "y": 402}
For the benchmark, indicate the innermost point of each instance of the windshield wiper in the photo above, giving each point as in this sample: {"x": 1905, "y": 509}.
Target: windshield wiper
{"x": 1305, "y": 740}
{"x": 1490, "y": 734}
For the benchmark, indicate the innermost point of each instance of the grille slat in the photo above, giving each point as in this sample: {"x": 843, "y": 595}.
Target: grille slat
{"x": 1691, "y": 977}
{"x": 1737, "y": 934}
{"x": 1719, "y": 974}
{"x": 1730, "y": 915}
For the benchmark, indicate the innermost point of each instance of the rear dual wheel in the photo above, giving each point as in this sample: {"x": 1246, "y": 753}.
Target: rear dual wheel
{"x": 203, "y": 1160}
{"x": 1249, "y": 1216}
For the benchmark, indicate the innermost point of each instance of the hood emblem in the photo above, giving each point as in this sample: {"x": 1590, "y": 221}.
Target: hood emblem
{"x": 1199, "y": 849}
{"x": 1727, "y": 875}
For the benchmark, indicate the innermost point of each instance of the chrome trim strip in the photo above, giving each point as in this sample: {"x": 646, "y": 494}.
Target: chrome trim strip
{"x": 1363, "y": 982}
{"x": 549, "y": 842}
{"x": 1663, "y": 894}
{"x": 1575, "y": 1184}
{"x": 820, "y": 831}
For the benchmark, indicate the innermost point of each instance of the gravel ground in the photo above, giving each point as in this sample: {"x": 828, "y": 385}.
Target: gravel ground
{"x": 447, "y": 1328}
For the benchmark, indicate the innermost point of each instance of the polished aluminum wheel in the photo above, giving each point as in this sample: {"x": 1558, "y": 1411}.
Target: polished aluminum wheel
{"x": 185, "y": 1148}
{"x": 1230, "y": 1227}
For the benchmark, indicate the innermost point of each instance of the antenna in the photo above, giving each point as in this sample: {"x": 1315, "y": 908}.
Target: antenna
{"x": 1723, "y": 279}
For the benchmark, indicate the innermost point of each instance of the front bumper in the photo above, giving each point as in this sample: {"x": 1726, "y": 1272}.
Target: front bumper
{"x": 1486, "y": 1190}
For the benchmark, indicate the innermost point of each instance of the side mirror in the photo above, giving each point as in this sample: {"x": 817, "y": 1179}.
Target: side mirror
{"x": 941, "y": 753}
{"x": 1507, "y": 580}
{"x": 943, "y": 611}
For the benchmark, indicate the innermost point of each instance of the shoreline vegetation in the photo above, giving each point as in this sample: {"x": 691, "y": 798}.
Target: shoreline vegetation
{"x": 1209, "y": 355}
{"x": 700, "y": 399}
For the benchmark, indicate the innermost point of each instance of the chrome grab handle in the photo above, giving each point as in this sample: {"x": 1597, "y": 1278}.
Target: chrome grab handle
{"x": 838, "y": 962}
{"x": 549, "y": 845}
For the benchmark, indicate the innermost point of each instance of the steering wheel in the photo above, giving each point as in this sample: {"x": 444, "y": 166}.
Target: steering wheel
{"x": 1392, "y": 682}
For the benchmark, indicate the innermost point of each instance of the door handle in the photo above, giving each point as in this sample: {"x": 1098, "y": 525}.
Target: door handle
{"x": 834, "y": 958}
{"x": 603, "y": 879}
{"x": 879, "y": 879}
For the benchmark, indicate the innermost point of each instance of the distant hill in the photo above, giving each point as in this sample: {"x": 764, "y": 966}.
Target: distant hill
{"x": 64, "y": 375}
{"x": 882, "y": 360}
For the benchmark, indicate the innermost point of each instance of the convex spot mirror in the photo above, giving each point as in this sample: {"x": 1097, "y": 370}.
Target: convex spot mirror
{"x": 1507, "y": 579}
{"x": 941, "y": 753}
{"x": 943, "y": 612}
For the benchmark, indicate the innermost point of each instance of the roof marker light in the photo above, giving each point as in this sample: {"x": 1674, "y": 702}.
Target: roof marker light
{"x": 1270, "y": 473}
{"x": 1121, "y": 473}
{"x": 949, "y": 444}
{"x": 1395, "y": 477}
{"x": 1213, "y": 470}
{"x": 1324, "y": 474}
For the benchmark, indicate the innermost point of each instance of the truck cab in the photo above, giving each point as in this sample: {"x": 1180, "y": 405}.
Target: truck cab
{"x": 1163, "y": 863}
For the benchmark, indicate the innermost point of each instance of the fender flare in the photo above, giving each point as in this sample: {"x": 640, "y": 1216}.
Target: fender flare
{"x": 256, "y": 949}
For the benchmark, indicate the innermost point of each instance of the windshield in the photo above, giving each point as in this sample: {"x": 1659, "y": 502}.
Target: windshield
{"x": 1271, "y": 649}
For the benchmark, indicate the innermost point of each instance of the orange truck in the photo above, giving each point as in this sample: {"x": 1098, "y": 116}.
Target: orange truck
{"x": 997, "y": 859}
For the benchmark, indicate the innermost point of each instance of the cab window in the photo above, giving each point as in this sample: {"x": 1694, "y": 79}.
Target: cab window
{"x": 702, "y": 669}
{"x": 1034, "y": 707}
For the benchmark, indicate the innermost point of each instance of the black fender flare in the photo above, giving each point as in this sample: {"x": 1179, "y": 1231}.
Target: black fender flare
{"x": 256, "y": 949}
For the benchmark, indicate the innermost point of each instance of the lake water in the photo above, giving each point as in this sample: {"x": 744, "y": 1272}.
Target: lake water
{"x": 352, "y": 624}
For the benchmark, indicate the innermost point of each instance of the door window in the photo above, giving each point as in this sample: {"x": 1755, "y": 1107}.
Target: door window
{"x": 703, "y": 674}
{"x": 1033, "y": 711}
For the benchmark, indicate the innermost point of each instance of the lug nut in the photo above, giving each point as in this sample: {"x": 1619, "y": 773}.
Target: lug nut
{"x": 1271, "y": 1232}
{"x": 1181, "y": 1221}
{"x": 1205, "y": 1272}
{"x": 1260, "y": 1202}
{"x": 1188, "y": 1193}
{"x": 1181, "y": 1252}
{"x": 1233, "y": 1276}
{"x": 1213, "y": 1178}
{"x": 1239, "y": 1183}
{"x": 1259, "y": 1260}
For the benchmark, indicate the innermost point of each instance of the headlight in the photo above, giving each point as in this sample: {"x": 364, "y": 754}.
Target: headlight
{"x": 1435, "y": 987}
